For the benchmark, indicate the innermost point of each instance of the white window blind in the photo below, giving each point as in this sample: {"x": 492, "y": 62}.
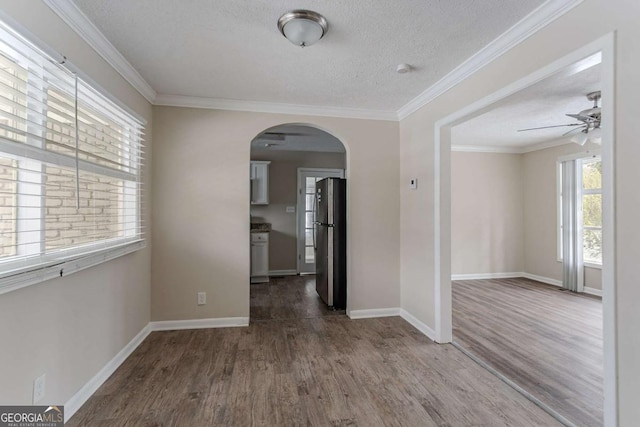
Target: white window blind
{"x": 70, "y": 162}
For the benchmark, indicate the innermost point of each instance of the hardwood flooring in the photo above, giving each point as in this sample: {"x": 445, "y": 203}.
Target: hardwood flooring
{"x": 288, "y": 297}
{"x": 326, "y": 370}
{"x": 547, "y": 341}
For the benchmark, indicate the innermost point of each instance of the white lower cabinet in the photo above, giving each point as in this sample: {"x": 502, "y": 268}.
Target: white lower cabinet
{"x": 259, "y": 257}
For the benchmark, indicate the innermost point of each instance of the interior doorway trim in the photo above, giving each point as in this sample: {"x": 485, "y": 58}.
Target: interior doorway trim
{"x": 442, "y": 206}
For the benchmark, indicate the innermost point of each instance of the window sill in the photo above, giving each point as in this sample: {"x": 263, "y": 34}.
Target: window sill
{"x": 70, "y": 266}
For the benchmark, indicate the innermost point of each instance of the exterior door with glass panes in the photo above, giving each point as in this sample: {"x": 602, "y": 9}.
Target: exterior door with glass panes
{"x": 306, "y": 215}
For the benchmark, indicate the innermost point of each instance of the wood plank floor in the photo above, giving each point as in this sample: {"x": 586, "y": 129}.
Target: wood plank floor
{"x": 288, "y": 297}
{"x": 547, "y": 341}
{"x": 326, "y": 370}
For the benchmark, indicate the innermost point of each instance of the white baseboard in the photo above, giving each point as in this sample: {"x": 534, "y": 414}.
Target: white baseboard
{"x": 482, "y": 276}
{"x": 282, "y": 272}
{"x": 223, "y": 322}
{"x": 375, "y": 312}
{"x": 593, "y": 291}
{"x": 72, "y": 405}
{"x": 542, "y": 279}
{"x": 547, "y": 280}
{"x": 421, "y": 326}
{"x": 554, "y": 282}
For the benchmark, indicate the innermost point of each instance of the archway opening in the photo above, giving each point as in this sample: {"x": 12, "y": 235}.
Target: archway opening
{"x": 298, "y": 221}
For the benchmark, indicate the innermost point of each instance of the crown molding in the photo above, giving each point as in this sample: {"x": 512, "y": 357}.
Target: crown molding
{"x": 510, "y": 150}
{"x": 78, "y": 21}
{"x": 530, "y": 24}
{"x": 523, "y": 29}
{"x": 272, "y": 107}
{"x": 543, "y": 145}
{"x": 485, "y": 149}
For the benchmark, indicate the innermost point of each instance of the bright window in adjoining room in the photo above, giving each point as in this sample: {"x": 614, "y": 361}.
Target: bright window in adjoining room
{"x": 310, "y": 218}
{"x": 70, "y": 163}
{"x": 589, "y": 194}
{"x": 592, "y": 210}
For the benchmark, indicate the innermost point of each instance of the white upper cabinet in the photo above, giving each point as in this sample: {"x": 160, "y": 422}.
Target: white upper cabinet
{"x": 259, "y": 182}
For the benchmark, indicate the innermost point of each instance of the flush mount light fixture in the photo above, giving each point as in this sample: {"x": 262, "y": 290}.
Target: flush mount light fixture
{"x": 303, "y": 27}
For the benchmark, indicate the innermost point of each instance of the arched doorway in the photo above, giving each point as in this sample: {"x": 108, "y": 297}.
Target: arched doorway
{"x": 287, "y": 242}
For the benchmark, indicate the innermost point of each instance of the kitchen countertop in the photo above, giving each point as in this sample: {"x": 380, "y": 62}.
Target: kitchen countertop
{"x": 260, "y": 227}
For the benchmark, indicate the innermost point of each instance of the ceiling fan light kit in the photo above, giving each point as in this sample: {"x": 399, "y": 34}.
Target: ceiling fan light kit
{"x": 580, "y": 138}
{"x": 303, "y": 27}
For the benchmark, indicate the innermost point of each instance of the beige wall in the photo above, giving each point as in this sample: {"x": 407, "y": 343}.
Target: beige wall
{"x": 486, "y": 213}
{"x": 201, "y": 209}
{"x": 283, "y": 182}
{"x": 504, "y": 213}
{"x": 541, "y": 215}
{"x": 589, "y": 21}
{"x": 69, "y": 328}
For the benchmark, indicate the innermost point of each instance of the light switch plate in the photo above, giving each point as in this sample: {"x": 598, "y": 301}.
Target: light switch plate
{"x": 413, "y": 183}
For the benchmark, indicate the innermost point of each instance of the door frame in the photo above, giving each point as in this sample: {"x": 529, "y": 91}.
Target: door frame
{"x": 300, "y": 208}
{"x": 442, "y": 206}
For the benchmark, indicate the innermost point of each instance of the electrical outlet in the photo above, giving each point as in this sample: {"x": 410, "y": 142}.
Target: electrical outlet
{"x": 39, "y": 388}
{"x": 202, "y": 298}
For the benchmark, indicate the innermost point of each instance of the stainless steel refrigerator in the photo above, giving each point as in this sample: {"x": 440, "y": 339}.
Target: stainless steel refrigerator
{"x": 331, "y": 241}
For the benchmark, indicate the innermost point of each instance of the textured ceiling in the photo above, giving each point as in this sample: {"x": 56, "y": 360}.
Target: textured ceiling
{"x": 233, "y": 50}
{"x": 545, "y": 103}
{"x": 296, "y": 138}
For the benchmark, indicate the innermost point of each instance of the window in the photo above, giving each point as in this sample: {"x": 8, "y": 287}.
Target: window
{"x": 589, "y": 202}
{"x": 592, "y": 210}
{"x": 310, "y": 218}
{"x": 70, "y": 160}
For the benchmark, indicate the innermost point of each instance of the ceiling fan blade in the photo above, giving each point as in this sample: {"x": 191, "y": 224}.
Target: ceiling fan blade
{"x": 586, "y": 119}
{"x": 548, "y": 127}
{"x": 575, "y": 129}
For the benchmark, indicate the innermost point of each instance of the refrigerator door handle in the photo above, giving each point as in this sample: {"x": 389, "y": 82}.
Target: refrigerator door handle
{"x": 330, "y": 276}
{"x": 315, "y": 223}
{"x": 313, "y": 233}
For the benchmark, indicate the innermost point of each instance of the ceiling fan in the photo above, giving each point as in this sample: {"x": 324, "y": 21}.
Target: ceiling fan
{"x": 588, "y": 126}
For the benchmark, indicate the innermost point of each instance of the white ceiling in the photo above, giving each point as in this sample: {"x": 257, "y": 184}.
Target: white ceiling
{"x": 297, "y": 138}
{"x": 545, "y": 103}
{"x": 233, "y": 50}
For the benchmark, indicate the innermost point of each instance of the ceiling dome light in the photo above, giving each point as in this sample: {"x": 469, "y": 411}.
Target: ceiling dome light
{"x": 303, "y": 27}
